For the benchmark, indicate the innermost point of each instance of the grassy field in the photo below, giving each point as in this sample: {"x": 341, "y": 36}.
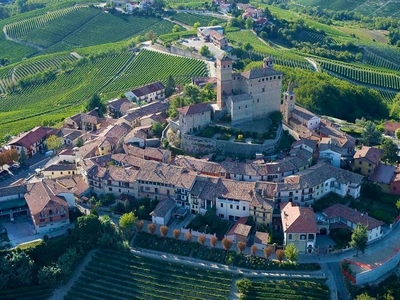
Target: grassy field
{"x": 58, "y": 98}
{"x": 190, "y": 19}
{"x": 114, "y": 275}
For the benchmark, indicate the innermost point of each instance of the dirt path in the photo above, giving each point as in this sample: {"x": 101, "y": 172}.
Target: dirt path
{"x": 313, "y": 63}
{"x": 234, "y": 293}
{"x": 61, "y": 291}
{"x": 21, "y": 42}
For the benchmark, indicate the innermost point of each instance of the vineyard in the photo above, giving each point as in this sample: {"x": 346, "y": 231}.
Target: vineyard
{"x": 56, "y": 99}
{"x": 184, "y": 3}
{"x": 286, "y": 289}
{"x": 361, "y": 75}
{"x": 79, "y": 26}
{"x": 114, "y": 275}
{"x": 149, "y": 66}
{"x": 389, "y": 59}
{"x": 190, "y": 19}
{"x": 311, "y": 37}
{"x": 37, "y": 292}
{"x": 246, "y": 36}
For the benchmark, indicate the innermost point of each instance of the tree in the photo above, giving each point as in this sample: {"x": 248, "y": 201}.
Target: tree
{"x": 9, "y": 156}
{"x": 398, "y": 204}
{"x": 226, "y": 243}
{"x": 196, "y": 25}
{"x": 213, "y": 241}
{"x": 241, "y": 246}
{"x": 139, "y": 225}
{"x": 291, "y": 252}
{"x": 202, "y": 239}
{"x": 163, "y": 231}
{"x": 49, "y": 275}
{"x": 280, "y": 255}
{"x": 397, "y": 133}
{"x": 95, "y": 102}
{"x": 54, "y": 142}
{"x": 268, "y": 252}
{"x": 389, "y": 151}
{"x": 127, "y": 221}
{"x": 151, "y": 228}
{"x": 176, "y": 28}
{"x": 176, "y": 233}
{"x": 247, "y": 47}
{"x": 205, "y": 51}
{"x": 157, "y": 129}
{"x": 359, "y": 238}
{"x": 188, "y": 236}
{"x": 22, "y": 156}
{"x": 213, "y": 22}
{"x": 170, "y": 86}
{"x": 79, "y": 142}
{"x": 158, "y": 5}
{"x": 193, "y": 92}
{"x": 16, "y": 269}
{"x": 150, "y": 35}
{"x": 249, "y": 23}
{"x": 365, "y": 296}
{"x": 370, "y": 134}
{"x": 253, "y": 249}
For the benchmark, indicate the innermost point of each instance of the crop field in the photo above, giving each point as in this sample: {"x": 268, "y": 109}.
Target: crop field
{"x": 311, "y": 37}
{"x": 246, "y": 36}
{"x": 56, "y": 99}
{"x": 75, "y": 27}
{"x": 287, "y": 289}
{"x": 288, "y": 60}
{"x": 114, "y": 275}
{"x": 37, "y": 292}
{"x": 190, "y": 19}
{"x": 184, "y": 3}
{"x": 362, "y": 75}
{"x": 383, "y": 57}
{"x": 149, "y": 66}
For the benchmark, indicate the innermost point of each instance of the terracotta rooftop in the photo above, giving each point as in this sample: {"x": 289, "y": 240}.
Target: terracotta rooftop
{"x": 371, "y": 154}
{"x": 195, "y": 109}
{"x": 261, "y": 238}
{"x": 341, "y": 211}
{"x": 28, "y": 139}
{"x": 296, "y": 219}
{"x": 148, "y": 89}
{"x": 163, "y": 207}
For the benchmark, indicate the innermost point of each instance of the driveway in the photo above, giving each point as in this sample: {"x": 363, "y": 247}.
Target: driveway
{"x": 22, "y": 227}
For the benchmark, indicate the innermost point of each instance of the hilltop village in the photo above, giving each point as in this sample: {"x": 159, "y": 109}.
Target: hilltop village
{"x": 249, "y": 166}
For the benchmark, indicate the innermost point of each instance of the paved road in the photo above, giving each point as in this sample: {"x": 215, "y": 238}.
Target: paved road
{"x": 340, "y": 284}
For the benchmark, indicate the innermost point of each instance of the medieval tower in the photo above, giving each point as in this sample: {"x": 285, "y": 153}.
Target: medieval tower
{"x": 289, "y": 101}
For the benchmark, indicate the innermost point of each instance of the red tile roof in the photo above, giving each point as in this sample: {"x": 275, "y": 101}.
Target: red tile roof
{"x": 148, "y": 89}
{"x": 194, "y": 109}
{"x": 341, "y": 211}
{"x": 27, "y": 139}
{"x": 371, "y": 154}
{"x": 296, "y": 219}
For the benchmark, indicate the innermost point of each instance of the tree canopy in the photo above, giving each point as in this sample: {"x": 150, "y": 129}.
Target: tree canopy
{"x": 370, "y": 134}
{"x": 389, "y": 151}
{"x": 53, "y": 142}
{"x": 95, "y": 102}
{"x": 291, "y": 252}
{"x": 359, "y": 238}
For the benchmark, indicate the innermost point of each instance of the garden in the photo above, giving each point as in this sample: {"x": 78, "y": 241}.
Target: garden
{"x": 115, "y": 275}
{"x": 210, "y": 223}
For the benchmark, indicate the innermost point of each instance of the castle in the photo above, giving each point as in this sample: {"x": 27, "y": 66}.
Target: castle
{"x": 248, "y": 95}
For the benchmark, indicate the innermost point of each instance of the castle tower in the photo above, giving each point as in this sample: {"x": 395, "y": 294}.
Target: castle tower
{"x": 268, "y": 62}
{"x": 289, "y": 101}
{"x": 224, "y": 79}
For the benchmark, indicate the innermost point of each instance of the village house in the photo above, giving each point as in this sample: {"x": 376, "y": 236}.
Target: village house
{"x": 299, "y": 227}
{"x": 89, "y": 121}
{"x": 366, "y": 160}
{"x": 339, "y": 214}
{"x": 340, "y": 142}
{"x": 119, "y": 107}
{"x": 59, "y": 171}
{"x": 48, "y": 205}
{"x": 147, "y": 93}
{"x": 261, "y": 239}
{"x": 134, "y": 116}
{"x": 194, "y": 117}
{"x": 198, "y": 165}
{"x": 391, "y": 127}
{"x": 163, "y": 212}
{"x": 240, "y": 232}
{"x": 12, "y": 201}
{"x": 30, "y": 142}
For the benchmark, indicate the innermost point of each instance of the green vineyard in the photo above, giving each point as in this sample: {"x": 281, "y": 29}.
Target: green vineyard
{"x": 288, "y": 60}
{"x": 366, "y": 76}
{"x": 38, "y": 292}
{"x": 150, "y": 66}
{"x": 113, "y": 74}
{"x": 311, "y": 37}
{"x": 114, "y": 275}
{"x": 190, "y": 19}
{"x": 389, "y": 60}
{"x": 287, "y": 289}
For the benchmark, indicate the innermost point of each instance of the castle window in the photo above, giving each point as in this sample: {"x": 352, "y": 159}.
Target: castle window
{"x": 263, "y": 79}
{"x": 263, "y": 89}
{"x": 291, "y": 97}
{"x": 279, "y": 77}
{"x": 274, "y": 77}
{"x": 258, "y": 100}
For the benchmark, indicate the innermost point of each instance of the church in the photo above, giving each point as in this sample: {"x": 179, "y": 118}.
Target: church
{"x": 248, "y": 95}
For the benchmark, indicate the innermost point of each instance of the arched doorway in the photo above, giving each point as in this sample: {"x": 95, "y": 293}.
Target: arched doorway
{"x": 323, "y": 231}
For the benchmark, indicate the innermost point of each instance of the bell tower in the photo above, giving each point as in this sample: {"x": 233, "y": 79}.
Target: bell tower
{"x": 289, "y": 101}
{"x": 224, "y": 79}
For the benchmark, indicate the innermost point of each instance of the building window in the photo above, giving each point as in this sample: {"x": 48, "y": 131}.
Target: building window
{"x": 290, "y": 236}
{"x": 110, "y": 189}
{"x": 244, "y": 208}
{"x": 41, "y": 220}
{"x": 222, "y": 205}
{"x": 237, "y": 207}
{"x": 231, "y": 206}
{"x": 360, "y": 162}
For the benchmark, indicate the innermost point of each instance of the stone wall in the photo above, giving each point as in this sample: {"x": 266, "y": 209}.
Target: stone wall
{"x": 198, "y": 145}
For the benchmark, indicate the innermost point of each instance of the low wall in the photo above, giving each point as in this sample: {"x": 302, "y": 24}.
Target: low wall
{"x": 197, "y": 233}
{"x": 200, "y": 145}
{"x": 182, "y": 52}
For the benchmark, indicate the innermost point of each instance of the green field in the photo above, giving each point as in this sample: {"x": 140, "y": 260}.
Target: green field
{"x": 114, "y": 275}
{"x": 112, "y": 74}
